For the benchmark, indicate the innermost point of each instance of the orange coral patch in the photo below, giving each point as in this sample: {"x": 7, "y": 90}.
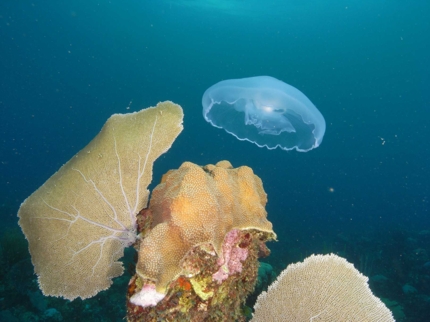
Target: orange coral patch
{"x": 196, "y": 205}
{"x": 185, "y": 284}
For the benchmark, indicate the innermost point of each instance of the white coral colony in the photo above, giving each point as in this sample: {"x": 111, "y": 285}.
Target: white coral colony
{"x": 321, "y": 288}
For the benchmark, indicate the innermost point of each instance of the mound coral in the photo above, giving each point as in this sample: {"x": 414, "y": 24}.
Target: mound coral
{"x": 79, "y": 221}
{"x": 195, "y": 205}
{"x": 209, "y": 227}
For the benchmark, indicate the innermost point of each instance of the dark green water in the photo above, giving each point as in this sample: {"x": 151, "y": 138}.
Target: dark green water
{"x": 65, "y": 67}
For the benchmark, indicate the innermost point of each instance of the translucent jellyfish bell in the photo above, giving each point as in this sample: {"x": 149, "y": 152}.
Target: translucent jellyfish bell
{"x": 264, "y": 111}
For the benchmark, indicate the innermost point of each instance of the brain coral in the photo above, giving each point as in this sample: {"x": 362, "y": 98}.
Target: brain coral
{"x": 195, "y": 205}
{"x": 321, "y": 288}
{"x": 79, "y": 221}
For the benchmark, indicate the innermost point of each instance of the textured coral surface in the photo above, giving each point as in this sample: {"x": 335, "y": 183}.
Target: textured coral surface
{"x": 209, "y": 227}
{"x": 195, "y": 205}
{"x": 321, "y": 288}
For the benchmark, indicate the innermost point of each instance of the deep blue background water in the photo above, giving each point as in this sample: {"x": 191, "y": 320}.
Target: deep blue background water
{"x": 66, "y": 66}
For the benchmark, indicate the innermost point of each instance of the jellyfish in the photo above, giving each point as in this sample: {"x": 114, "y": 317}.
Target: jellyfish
{"x": 265, "y": 111}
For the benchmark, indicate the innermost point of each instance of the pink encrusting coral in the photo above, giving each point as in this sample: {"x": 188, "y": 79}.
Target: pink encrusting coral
{"x": 232, "y": 255}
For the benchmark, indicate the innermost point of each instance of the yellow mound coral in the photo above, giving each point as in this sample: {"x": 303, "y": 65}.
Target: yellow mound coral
{"x": 195, "y": 205}
{"x": 79, "y": 221}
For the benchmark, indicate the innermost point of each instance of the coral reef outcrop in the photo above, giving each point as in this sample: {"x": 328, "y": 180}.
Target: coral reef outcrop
{"x": 209, "y": 228}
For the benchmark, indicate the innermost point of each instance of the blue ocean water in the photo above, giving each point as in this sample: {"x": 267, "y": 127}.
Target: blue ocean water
{"x": 65, "y": 67}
